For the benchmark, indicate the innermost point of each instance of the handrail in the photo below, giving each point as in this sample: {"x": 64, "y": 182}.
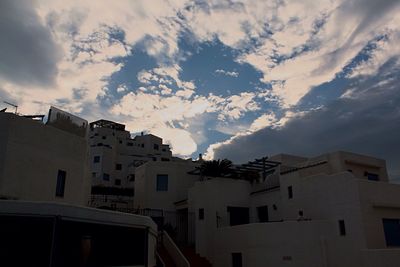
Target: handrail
{"x": 173, "y": 250}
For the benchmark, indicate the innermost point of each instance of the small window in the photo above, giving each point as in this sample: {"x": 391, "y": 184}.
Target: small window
{"x": 372, "y": 176}
{"x": 164, "y": 150}
{"x": 131, "y": 177}
{"x": 106, "y": 177}
{"x": 162, "y": 182}
{"x": 237, "y": 260}
{"x": 290, "y": 192}
{"x": 156, "y": 147}
{"x": 61, "y": 176}
{"x": 117, "y": 181}
{"x": 118, "y": 166}
{"x": 129, "y": 144}
{"x": 342, "y": 227}
{"x": 154, "y": 159}
{"x": 142, "y": 145}
{"x": 120, "y": 141}
{"x": 262, "y": 214}
{"x": 201, "y": 214}
{"x": 96, "y": 159}
{"x": 96, "y": 134}
{"x": 93, "y": 175}
{"x": 104, "y": 137}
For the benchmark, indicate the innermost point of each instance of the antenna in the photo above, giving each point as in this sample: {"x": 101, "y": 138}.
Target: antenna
{"x": 13, "y": 105}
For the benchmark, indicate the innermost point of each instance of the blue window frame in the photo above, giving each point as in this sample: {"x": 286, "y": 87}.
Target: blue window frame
{"x": 60, "y": 187}
{"x": 162, "y": 182}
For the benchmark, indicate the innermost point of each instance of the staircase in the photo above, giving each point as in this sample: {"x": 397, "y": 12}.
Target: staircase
{"x": 195, "y": 259}
{"x": 165, "y": 257}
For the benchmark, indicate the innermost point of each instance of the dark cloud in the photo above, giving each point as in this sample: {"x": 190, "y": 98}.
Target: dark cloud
{"x": 367, "y": 123}
{"x": 28, "y": 54}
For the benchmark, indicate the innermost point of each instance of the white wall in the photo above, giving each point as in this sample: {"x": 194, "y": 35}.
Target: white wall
{"x": 31, "y": 156}
{"x": 214, "y": 196}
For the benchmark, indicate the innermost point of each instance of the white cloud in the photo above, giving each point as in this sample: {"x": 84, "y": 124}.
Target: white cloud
{"x": 227, "y": 73}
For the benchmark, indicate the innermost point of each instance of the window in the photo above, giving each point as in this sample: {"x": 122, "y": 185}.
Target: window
{"x": 201, "y": 214}
{"x": 129, "y": 144}
{"x": 118, "y": 166}
{"x": 154, "y": 159}
{"x": 60, "y": 183}
{"x": 96, "y": 159}
{"x": 342, "y": 227}
{"x": 164, "y": 159}
{"x": 162, "y": 182}
{"x": 156, "y": 147}
{"x": 131, "y": 177}
{"x": 290, "y": 192}
{"x": 391, "y": 228}
{"x": 372, "y": 176}
{"x": 93, "y": 175}
{"x": 237, "y": 260}
{"x": 103, "y": 137}
{"x": 164, "y": 150}
{"x": 117, "y": 181}
{"x": 142, "y": 145}
{"x": 106, "y": 177}
{"x": 263, "y": 214}
{"x": 120, "y": 141}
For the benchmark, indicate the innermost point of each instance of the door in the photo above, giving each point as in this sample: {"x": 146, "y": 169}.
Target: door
{"x": 391, "y": 228}
{"x": 263, "y": 214}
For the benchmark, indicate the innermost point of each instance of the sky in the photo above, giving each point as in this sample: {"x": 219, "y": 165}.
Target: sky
{"x": 229, "y": 79}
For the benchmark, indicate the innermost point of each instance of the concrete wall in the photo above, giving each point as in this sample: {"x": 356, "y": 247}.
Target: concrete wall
{"x": 179, "y": 181}
{"x": 214, "y": 196}
{"x": 292, "y": 243}
{"x": 31, "y": 155}
{"x": 271, "y": 199}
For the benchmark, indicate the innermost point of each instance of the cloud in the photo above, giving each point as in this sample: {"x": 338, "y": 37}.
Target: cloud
{"x": 28, "y": 52}
{"x": 368, "y": 123}
{"x": 227, "y": 73}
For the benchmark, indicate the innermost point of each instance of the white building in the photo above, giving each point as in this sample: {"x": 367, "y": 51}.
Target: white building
{"x": 44, "y": 162}
{"x": 114, "y": 157}
{"x": 337, "y": 209}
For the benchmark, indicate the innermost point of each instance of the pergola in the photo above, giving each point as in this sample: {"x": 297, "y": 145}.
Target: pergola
{"x": 262, "y": 165}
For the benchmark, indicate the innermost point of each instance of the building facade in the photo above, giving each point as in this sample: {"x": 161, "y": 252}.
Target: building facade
{"x": 337, "y": 209}
{"x": 114, "y": 156}
{"x": 44, "y": 162}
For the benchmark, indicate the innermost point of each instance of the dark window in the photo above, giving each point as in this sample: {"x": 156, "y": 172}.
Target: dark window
{"x": 154, "y": 159}
{"x": 120, "y": 141}
{"x": 201, "y": 214}
{"x": 96, "y": 134}
{"x": 117, "y": 182}
{"x": 104, "y": 137}
{"x": 391, "y": 228}
{"x": 131, "y": 177}
{"x": 118, "y": 166}
{"x": 129, "y": 144}
{"x": 164, "y": 150}
{"x": 274, "y": 207}
{"x": 106, "y": 177}
{"x": 290, "y": 192}
{"x": 342, "y": 227}
{"x": 156, "y": 147}
{"x": 237, "y": 260}
{"x": 93, "y": 175}
{"x": 350, "y": 170}
{"x": 96, "y": 159}
{"x": 164, "y": 159}
{"x": 372, "y": 176}
{"x": 60, "y": 183}
{"x": 238, "y": 215}
{"x": 142, "y": 145}
{"x": 99, "y": 144}
{"x": 162, "y": 182}
{"x": 263, "y": 213}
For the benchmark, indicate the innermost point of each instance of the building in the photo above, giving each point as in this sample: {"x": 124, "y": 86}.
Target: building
{"x": 337, "y": 209}
{"x": 114, "y": 158}
{"x": 44, "y": 162}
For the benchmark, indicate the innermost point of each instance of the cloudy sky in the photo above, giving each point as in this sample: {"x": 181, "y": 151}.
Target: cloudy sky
{"x": 225, "y": 78}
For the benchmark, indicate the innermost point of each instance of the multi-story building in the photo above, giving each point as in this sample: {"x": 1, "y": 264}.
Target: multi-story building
{"x": 337, "y": 209}
{"x": 44, "y": 162}
{"x": 114, "y": 158}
